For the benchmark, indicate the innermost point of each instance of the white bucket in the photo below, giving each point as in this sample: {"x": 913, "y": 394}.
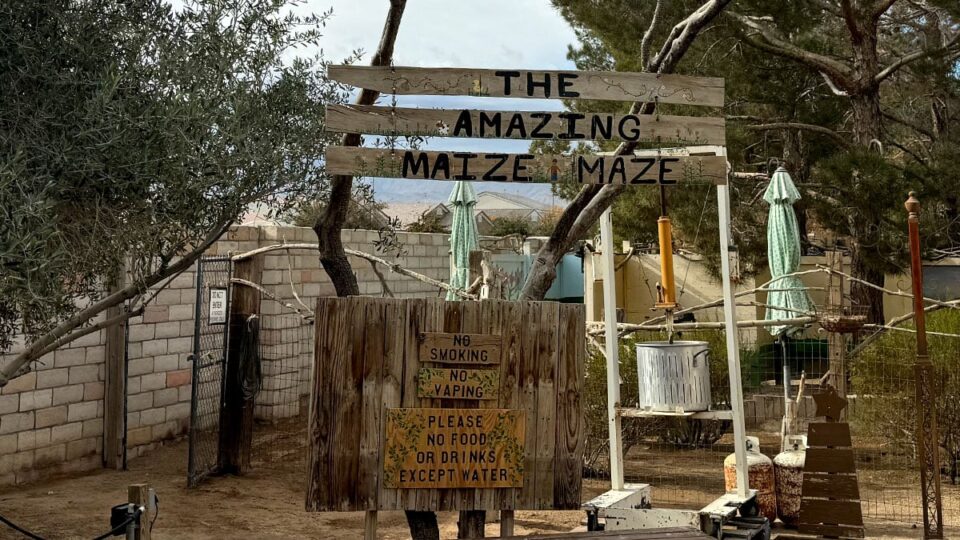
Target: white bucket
{"x": 674, "y": 377}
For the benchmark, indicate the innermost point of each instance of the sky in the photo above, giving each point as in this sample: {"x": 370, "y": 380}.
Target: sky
{"x": 524, "y": 34}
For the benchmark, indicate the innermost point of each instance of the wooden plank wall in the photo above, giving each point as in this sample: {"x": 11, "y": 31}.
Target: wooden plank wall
{"x": 367, "y": 358}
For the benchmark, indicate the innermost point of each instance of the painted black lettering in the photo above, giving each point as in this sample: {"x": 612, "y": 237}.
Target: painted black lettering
{"x": 489, "y": 176}
{"x": 618, "y": 167}
{"x": 464, "y": 158}
{"x": 518, "y": 168}
{"x": 442, "y": 164}
{"x": 531, "y": 84}
{"x": 492, "y": 121}
{"x": 601, "y": 126}
{"x": 571, "y": 132}
{"x": 544, "y": 118}
{"x": 596, "y": 167}
{"x": 564, "y": 81}
{"x": 464, "y": 125}
{"x": 638, "y": 178}
{"x": 506, "y": 75}
{"x": 516, "y": 123}
{"x": 664, "y": 170}
{"x": 409, "y": 163}
{"x": 631, "y": 133}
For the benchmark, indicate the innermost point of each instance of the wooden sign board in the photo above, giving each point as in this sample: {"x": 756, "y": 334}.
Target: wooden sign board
{"x": 497, "y": 167}
{"x": 665, "y": 129}
{"x": 462, "y": 349}
{"x": 515, "y": 83}
{"x": 444, "y": 383}
{"x": 368, "y": 366}
{"x": 454, "y": 448}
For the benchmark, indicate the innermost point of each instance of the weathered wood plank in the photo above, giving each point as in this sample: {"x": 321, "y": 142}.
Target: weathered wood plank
{"x": 318, "y": 489}
{"x": 831, "y": 512}
{"x": 511, "y": 354}
{"x": 530, "y": 168}
{"x": 487, "y": 317}
{"x": 396, "y": 316}
{"x": 471, "y": 123}
{"x": 829, "y": 434}
{"x": 829, "y": 460}
{"x": 529, "y": 377}
{"x": 833, "y": 486}
{"x": 568, "y": 465}
{"x": 548, "y": 354}
{"x": 371, "y": 402}
{"x": 599, "y": 85}
{"x": 416, "y": 323}
{"x": 459, "y": 348}
{"x": 831, "y": 531}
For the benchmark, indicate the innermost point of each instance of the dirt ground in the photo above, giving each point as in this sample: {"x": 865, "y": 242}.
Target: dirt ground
{"x": 267, "y": 504}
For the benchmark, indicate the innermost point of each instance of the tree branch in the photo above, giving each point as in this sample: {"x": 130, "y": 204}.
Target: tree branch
{"x": 951, "y": 46}
{"x": 801, "y": 126}
{"x": 912, "y": 125}
{"x": 330, "y": 223}
{"x": 839, "y": 73}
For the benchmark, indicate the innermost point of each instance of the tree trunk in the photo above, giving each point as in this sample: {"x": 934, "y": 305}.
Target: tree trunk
{"x": 423, "y": 525}
{"x": 330, "y": 224}
{"x": 863, "y": 295}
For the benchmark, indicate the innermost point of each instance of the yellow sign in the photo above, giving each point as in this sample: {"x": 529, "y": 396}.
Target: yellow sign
{"x": 454, "y": 448}
{"x": 443, "y": 383}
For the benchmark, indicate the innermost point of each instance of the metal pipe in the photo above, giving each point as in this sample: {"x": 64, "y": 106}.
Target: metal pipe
{"x": 928, "y": 440}
{"x": 613, "y": 350}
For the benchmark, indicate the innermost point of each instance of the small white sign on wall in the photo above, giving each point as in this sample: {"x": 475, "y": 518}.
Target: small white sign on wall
{"x": 217, "y": 305}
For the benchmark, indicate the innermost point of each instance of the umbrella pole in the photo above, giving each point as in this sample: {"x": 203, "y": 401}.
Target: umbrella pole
{"x": 667, "y": 300}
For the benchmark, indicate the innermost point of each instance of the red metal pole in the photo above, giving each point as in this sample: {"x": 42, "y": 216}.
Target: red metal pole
{"x": 928, "y": 444}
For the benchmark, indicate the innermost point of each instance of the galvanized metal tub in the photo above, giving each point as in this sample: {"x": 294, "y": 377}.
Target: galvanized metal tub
{"x": 674, "y": 376}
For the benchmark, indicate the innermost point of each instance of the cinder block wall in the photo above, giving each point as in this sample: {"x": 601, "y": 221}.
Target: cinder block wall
{"x": 51, "y": 420}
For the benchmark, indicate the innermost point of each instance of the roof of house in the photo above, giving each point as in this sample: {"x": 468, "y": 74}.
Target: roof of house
{"x": 407, "y": 213}
{"x": 511, "y": 198}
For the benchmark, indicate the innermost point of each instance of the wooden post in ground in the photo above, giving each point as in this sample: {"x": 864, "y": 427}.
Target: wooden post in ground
{"x": 370, "y": 525}
{"x": 115, "y": 389}
{"x": 836, "y": 342}
{"x": 139, "y": 495}
{"x": 236, "y": 415}
{"x": 506, "y": 523}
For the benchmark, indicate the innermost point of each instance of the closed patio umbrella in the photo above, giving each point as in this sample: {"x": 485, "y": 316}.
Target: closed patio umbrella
{"x": 463, "y": 235}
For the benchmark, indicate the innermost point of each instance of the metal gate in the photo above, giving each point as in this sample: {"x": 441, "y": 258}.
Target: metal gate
{"x": 210, "y": 340}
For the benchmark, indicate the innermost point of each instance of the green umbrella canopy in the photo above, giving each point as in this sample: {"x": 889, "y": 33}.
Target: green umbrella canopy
{"x": 463, "y": 234}
{"x": 790, "y": 298}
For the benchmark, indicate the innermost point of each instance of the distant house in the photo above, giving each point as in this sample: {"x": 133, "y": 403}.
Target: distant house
{"x": 491, "y": 206}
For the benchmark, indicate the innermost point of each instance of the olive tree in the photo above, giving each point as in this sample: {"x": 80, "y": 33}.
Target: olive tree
{"x": 132, "y": 135}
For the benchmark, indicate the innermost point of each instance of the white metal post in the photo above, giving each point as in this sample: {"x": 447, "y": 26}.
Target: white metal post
{"x": 733, "y": 342}
{"x": 613, "y": 350}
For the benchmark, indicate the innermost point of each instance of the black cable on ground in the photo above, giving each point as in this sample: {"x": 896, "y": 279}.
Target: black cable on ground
{"x": 20, "y": 529}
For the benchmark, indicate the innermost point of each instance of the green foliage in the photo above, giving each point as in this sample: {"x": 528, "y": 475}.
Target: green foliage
{"x": 130, "y": 131}
{"x": 427, "y": 223}
{"x": 366, "y": 215}
{"x": 505, "y": 226}
{"x": 882, "y": 377}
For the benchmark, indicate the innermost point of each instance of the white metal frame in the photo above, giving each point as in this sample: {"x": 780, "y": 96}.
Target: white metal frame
{"x": 733, "y": 342}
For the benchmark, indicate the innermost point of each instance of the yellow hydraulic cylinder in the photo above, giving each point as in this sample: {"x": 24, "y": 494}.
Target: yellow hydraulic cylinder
{"x": 668, "y": 298}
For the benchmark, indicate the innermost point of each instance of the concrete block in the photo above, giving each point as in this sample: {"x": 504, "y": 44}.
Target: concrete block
{"x": 81, "y": 448}
{"x": 178, "y": 410}
{"x": 20, "y": 384}
{"x": 182, "y": 312}
{"x": 150, "y": 417}
{"x": 155, "y": 313}
{"x": 14, "y": 422}
{"x": 155, "y": 347}
{"x": 84, "y": 374}
{"x": 92, "y": 391}
{"x": 180, "y": 345}
{"x": 186, "y": 280}
{"x": 24, "y": 460}
{"x": 133, "y": 420}
{"x": 153, "y": 381}
{"x": 52, "y": 416}
{"x": 164, "y": 397}
{"x": 84, "y": 410}
{"x": 168, "y": 329}
{"x": 139, "y": 366}
{"x": 134, "y": 350}
{"x": 8, "y": 444}
{"x": 95, "y": 355}
{"x": 67, "y": 432}
{"x": 167, "y": 297}
{"x": 167, "y": 362}
{"x": 50, "y": 455}
{"x": 68, "y": 394}
{"x": 141, "y": 332}
{"x": 184, "y": 393}
{"x": 92, "y": 427}
{"x": 34, "y": 438}
{"x": 133, "y": 385}
{"x": 37, "y": 399}
{"x": 52, "y": 377}
{"x": 167, "y": 430}
{"x": 140, "y": 435}
{"x": 9, "y": 404}
{"x": 140, "y": 401}
{"x": 69, "y": 357}
{"x": 188, "y": 297}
